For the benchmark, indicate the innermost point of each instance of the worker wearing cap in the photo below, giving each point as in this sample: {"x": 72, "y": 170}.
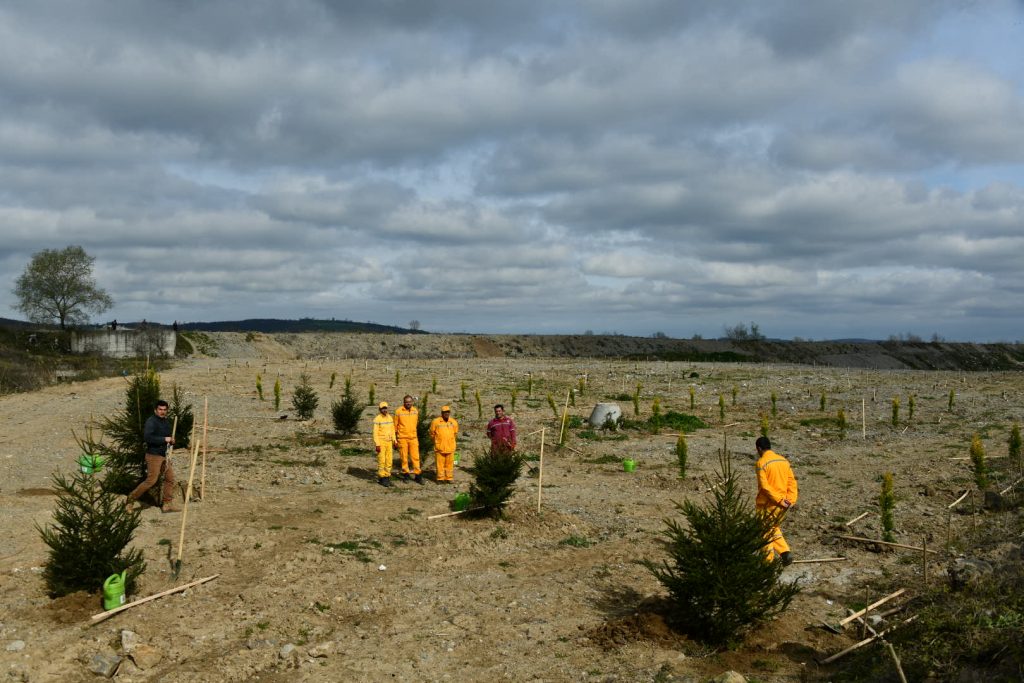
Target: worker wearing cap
{"x": 383, "y": 441}
{"x": 406, "y": 419}
{"x": 776, "y": 493}
{"x": 443, "y": 430}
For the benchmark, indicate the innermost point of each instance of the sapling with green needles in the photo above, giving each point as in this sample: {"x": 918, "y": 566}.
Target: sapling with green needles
{"x": 735, "y": 390}
{"x": 693, "y": 399}
{"x": 479, "y": 405}
{"x": 775, "y": 405}
{"x": 515, "y": 395}
{"x": 551, "y": 402}
{"x": 462, "y": 389}
{"x": 764, "y": 425}
{"x": 572, "y": 397}
{"x": 334, "y": 376}
{"x": 277, "y": 394}
{"x": 821, "y": 403}
{"x": 636, "y": 400}
{"x": 259, "y": 386}
{"x": 895, "y": 411}
{"x": 433, "y": 385}
{"x": 398, "y": 377}
{"x": 911, "y": 404}
{"x": 581, "y": 385}
{"x": 656, "y": 416}
{"x": 978, "y": 460}
{"x": 952, "y": 399}
{"x": 841, "y": 423}
{"x": 681, "y": 454}
{"x": 887, "y": 504}
{"x": 721, "y": 407}
{"x": 372, "y": 394}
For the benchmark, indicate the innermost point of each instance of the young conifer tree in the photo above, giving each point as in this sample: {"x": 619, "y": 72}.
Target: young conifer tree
{"x": 346, "y": 412}
{"x": 304, "y": 398}
{"x": 682, "y": 452}
{"x": 887, "y": 505}
{"x": 719, "y": 581}
{"x": 978, "y": 460}
{"x": 89, "y": 536}
{"x": 494, "y": 476}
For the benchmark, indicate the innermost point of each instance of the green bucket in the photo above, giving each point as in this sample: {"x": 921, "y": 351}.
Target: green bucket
{"x": 629, "y": 465}
{"x": 89, "y": 463}
{"x": 456, "y": 457}
{"x": 461, "y": 501}
{"x": 113, "y": 591}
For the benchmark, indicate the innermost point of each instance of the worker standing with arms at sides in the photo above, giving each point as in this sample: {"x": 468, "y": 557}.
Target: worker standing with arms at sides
{"x": 776, "y": 494}
{"x": 502, "y": 431}
{"x": 443, "y": 430}
{"x": 406, "y": 418}
{"x": 383, "y": 441}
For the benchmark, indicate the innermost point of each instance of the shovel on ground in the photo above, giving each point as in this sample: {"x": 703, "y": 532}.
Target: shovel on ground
{"x": 184, "y": 512}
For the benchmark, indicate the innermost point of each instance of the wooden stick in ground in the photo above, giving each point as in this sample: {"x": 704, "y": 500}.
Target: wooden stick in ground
{"x": 955, "y": 502}
{"x": 457, "y": 512}
{"x": 184, "y": 511}
{"x": 891, "y": 545}
{"x": 540, "y": 470}
{"x": 202, "y": 479}
{"x": 863, "y": 418}
{"x": 873, "y": 605}
{"x": 1007, "y": 489}
{"x": 96, "y": 618}
{"x": 864, "y": 642}
{"x": 896, "y": 662}
{"x": 820, "y": 559}
{"x": 858, "y": 518}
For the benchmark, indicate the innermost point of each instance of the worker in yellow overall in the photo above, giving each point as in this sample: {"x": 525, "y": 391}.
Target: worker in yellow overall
{"x": 776, "y": 494}
{"x": 406, "y": 419}
{"x": 383, "y": 442}
{"x": 443, "y": 430}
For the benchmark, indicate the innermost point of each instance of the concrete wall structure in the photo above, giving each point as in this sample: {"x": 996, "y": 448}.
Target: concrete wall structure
{"x": 125, "y": 342}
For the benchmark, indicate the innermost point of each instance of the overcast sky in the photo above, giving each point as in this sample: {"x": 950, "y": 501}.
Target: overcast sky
{"x": 825, "y": 169}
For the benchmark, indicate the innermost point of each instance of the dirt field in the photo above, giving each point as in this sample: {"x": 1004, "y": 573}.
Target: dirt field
{"x": 312, "y": 553}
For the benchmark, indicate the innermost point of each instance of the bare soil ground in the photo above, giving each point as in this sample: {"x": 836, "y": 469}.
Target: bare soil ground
{"x": 311, "y": 552}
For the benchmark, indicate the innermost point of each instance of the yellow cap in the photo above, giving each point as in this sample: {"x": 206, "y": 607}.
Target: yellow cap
{"x": 383, "y": 404}
{"x": 446, "y": 409}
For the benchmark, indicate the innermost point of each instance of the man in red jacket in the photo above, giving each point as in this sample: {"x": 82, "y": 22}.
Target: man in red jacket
{"x": 502, "y": 431}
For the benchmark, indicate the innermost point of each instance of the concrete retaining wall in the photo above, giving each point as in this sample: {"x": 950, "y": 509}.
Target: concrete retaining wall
{"x": 125, "y": 343}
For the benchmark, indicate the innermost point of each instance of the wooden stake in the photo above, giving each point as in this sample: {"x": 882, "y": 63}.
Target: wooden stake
{"x": 96, "y": 618}
{"x": 817, "y": 560}
{"x": 858, "y": 518}
{"x": 202, "y": 479}
{"x": 184, "y": 512}
{"x": 565, "y": 416}
{"x": 863, "y": 418}
{"x": 873, "y": 605}
{"x": 1007, "y": 489}
{"x": 954, "y": 503}
{"x": 896, "y": 662}
{"x": 892, "y": 545}
{"x": 540, "y": 471}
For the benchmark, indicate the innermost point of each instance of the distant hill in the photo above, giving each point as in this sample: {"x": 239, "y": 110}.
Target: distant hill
{"x": 271, "y": 326}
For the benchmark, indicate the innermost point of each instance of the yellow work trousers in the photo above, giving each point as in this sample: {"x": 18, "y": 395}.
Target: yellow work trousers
{"x": 409, "y": 449}
{"x": 445, "y": 465}
{"x": 384, "y": 460}
{"x": 776, "y": 542}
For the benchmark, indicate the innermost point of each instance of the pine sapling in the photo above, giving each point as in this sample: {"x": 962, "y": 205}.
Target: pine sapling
{"x": 398, "y": 377}
{"x": 515, "y": 395}
{"x": 495, "y": 474}
{"x": 735, "y": 390}
{"x": 895, "y": 411}
{"x": 821, "y": 403}
{"x": 433, "y": 385}
{"x": 764, "y": 425}
{"x": 656, "y": 416}
{"x": 259, "y": 386}
{"x": 887, "y": 504}
{"x": 952, "y": 399}
{"x": 346, "y": 413}
{"x": 681, "y": 454}
{"x": 572, "y": 397}
{"x": 636, "y": 400}
{"x": 911, "y": 404}
{"x": 334, "y": 376}
{"x": 462, "y": 390}
{"x": 277, "y": 394}
{"x": 551, "y": 402}
{"x": 693, "y": 399}
{"x": 841, "y": 423}
{"x": 304, "y": 398}
{"x": 721, "y": 407}
{"x": 372, "y": 394}
{"x": 479, "y": 405}
{"x": 581, "y": 385}
{"x": 775, "y": 407}
{"x": 978, "y": 460}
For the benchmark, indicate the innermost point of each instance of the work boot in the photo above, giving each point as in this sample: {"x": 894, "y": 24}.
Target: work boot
{"x": 169, "y": 506}
{"x": 787, "y": 558}
{"x": 384, "y": 481}
{"x": 418, "y": 479}
{"x": 405, "y": 476}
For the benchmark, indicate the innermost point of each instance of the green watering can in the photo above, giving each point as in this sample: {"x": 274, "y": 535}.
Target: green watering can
{"x": 629, "y": 465}
{"x": 113, "y": 591}
{"x": 461, "y": 501}
{"x": 90, "y": 463}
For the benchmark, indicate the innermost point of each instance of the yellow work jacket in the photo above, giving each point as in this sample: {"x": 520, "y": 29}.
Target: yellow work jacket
{"x": 405, "y": 422}
{"x": 443, "y": 434}
{"x": 775, "y": 480}
{"x": 383, "y": 429}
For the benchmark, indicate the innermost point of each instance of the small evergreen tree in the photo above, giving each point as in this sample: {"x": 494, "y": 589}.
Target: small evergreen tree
{"x": 480, "y": 405}
{"x": 681, "y": 454}
{"x": 636, "y": 400}
{"x": 529, "y": 385}
{"x": 304, "y": 398}
{"x": 693, "y": 398}
{"x": 259, "y": 386}
{"x": 719, "y": 581}
{"x": 462, "y": 389}
{"x": 721, "y": 407}
{"x": 495, "y": 474}
{"x": 433, "y": 385}
{"x": 887, "y": 505}
{"x": 952, "y": 399}
{"x": 423, "y": 420}
{"x": 821, "y": 402}
{"x": 581, "y": 385}
{"x": 334, "y": 376}
{"x": 656, "y": 416}
{"x": 764, "y": 425}
{"x": 775, "y": 409}
{"x": 841, "y": 423}
{"x": 87, "y": 541}
{"x": 346, "y": 412}
{"x": 277, "y": 394}
{"x": 978, "y": 460}
{"x": 895, "y": 411}
{"x": 572, "y": 397}
{"x": 735, "y": 391}
{"x": 911, "y": 404}
{"x": 372, "y": 394}
{"x": 398, "y": 377}
{"x": 553, "y": 405}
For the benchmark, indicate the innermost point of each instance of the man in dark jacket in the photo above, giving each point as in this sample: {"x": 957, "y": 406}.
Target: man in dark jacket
{"x": 157, "y": 436}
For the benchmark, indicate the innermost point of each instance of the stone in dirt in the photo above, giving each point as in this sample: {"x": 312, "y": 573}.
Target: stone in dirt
{"x": 104, "y": 665}
{"x": 729, "y": 677}
{"x": 146, "y": 656}
{"x": 323, "y": 649}
{"x": 16, "y": 646}
{"x": 129, "y": 639}
{"x": 288, "y": 651}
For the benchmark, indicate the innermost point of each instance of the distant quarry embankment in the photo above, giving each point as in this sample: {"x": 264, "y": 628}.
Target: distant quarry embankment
{"x": 876, "y": 355}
